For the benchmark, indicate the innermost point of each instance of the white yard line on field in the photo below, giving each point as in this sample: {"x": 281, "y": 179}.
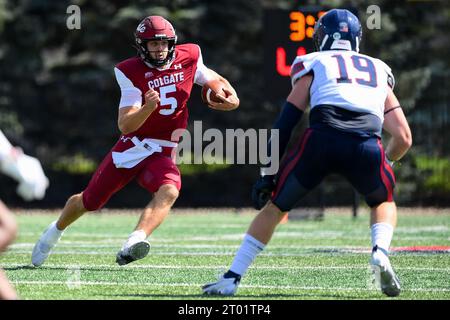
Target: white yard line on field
{"x": 187, "y": 267}
{"x": 77, "y": 244}
{"x": 157, "y": 245}
{"x": 197, "y": 285}
{"x": 168, "y": 253}
{"x": 422, "y": 229}
{"x": 287, "y": 234}
{"x": 315, "y": 251}
{"x": 76, "y": 248}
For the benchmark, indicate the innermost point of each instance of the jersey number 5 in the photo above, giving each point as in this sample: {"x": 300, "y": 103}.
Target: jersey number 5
{"x": 361, "y": 64}
{"x": 165, "y": 100}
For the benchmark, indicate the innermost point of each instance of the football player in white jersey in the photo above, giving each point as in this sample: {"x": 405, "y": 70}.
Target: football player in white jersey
{"x": 8, "y": 231}
{"x": 32, "y": 185}
{"x": 351, "y": 102}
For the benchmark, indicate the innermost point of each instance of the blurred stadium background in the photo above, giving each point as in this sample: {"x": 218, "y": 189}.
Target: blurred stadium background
{"x": 58, "y": 95}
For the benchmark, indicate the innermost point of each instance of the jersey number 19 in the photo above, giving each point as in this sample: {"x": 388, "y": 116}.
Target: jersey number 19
{"x": 361, "y": 64}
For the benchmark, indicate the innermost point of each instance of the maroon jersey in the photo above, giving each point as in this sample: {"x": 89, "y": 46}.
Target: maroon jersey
{"x": 174, "y": 85}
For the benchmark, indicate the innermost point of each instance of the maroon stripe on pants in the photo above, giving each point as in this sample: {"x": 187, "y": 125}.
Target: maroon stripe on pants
{"x": 387, "y": 183}
{"x": 389, "y": 169}
{"x": 290, "y": 165}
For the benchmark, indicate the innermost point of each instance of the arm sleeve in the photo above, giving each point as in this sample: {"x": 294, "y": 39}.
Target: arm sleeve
{"x": 130, "y": 95}
{"x": 202, "y": 74}
{"x": 288, "y": 118}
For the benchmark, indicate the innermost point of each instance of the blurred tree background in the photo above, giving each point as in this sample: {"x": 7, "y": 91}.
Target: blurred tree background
{"x": 59, "y": 97}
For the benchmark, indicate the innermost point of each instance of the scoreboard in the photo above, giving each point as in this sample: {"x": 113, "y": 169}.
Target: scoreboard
{"x": 287, "y": 34}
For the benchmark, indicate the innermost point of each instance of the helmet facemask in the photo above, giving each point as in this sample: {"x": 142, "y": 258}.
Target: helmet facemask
{"x": 141, "y": 46}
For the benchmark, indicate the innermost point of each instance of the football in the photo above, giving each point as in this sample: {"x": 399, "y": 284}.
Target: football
{"x": 210, "y": 90}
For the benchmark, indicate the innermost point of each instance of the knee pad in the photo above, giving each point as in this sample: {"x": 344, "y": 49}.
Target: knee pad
{"x": 91, "y": 202}
{"x": 289, "y": 194}
{"x": 377, "y": 197}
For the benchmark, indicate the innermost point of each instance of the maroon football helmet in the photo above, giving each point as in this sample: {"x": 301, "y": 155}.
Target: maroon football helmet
{"x": 155, "y": 28}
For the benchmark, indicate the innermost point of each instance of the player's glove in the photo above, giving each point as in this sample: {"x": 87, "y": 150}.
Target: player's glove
{"x": 261, "y": 191}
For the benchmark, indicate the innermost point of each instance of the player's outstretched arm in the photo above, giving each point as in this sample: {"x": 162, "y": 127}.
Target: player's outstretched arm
{"x": 290, "y": 115}
{"x": 231, "y": 101}
{"x": 396, "y": 125}
{"x": 292, "y": 111}
{"x": 24, "y": 169}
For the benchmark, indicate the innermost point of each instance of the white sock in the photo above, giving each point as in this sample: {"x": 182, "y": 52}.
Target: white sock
{"x": 248, "y": 251}
{"x": 53, "y": 234}
{"x": 382, "y": 235}
{"x": 138, "y": 234}
{"x": 135, "y": 236}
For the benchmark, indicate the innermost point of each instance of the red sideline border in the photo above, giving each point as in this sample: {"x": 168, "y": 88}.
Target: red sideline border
{"x": 422, "y": 249}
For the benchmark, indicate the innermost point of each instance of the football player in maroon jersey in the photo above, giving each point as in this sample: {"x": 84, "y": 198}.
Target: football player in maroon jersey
{"x": 155, "y": 87}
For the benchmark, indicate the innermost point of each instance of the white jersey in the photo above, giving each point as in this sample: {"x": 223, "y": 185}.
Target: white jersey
{"x": 345, "y": 79}
{"x": 25, "y": 169}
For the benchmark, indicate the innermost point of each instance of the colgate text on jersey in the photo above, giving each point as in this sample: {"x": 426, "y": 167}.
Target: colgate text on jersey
{"x": 166, "y": 79}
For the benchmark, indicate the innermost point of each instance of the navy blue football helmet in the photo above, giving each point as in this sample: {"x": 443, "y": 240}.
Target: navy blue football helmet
{"x": 338, "y": 29}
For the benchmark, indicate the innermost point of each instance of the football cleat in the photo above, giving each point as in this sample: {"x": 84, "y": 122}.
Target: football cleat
{"x": 222, "y": 287}
{"x": 133, "y": 252}
{"x": 385, "y": 277}
{"x": 44, "y": 246}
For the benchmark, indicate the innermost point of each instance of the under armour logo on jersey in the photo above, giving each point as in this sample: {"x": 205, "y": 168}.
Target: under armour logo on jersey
{"x": 177, "y": 66}
{"x": 148, "y": 75}
{"x": 124, "y": 139}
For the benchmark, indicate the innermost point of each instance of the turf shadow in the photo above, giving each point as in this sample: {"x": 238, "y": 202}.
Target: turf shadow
{"x": 22, "y": 267}
{"x": 241, "y": 296}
